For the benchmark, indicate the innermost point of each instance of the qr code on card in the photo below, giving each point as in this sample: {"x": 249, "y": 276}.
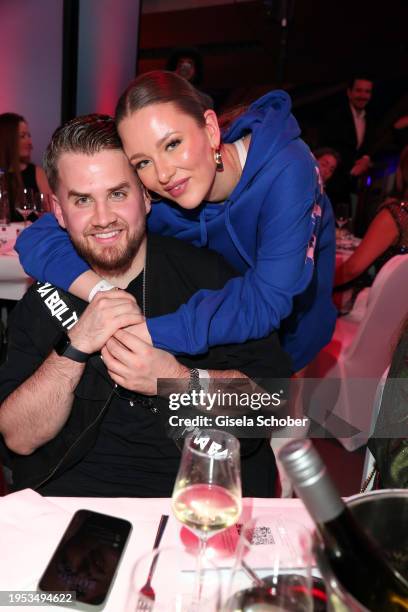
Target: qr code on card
{"x": 261, "y": 536}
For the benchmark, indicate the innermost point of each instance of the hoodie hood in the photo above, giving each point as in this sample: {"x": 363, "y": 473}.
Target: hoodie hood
{"x": 272, "y": 126}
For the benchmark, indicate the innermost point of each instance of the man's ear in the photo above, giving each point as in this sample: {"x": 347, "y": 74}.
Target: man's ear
{"x": 57, "y": 210}
{"x": 213, "y": 129}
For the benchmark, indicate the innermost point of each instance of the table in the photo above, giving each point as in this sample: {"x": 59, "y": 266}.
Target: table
{"x": 14, "y": 282}
{"x": 31, "y": 527}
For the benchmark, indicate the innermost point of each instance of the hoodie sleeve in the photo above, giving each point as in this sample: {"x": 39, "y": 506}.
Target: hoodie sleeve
{"x": 252, "y": 306}
{"x": 56, "y": 259}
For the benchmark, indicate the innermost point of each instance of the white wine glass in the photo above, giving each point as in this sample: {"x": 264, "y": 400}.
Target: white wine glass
{"x": 342, "y": 216}
{"x": 207, "y": 496}
{"x": 42, "y": 204}
{"x": 27, "y": 205}
{"x": 4, "y": 208}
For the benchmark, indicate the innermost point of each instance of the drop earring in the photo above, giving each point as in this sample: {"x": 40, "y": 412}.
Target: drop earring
{"x": 219, "y": 165}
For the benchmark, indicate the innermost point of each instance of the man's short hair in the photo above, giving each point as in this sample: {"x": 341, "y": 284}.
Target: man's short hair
{"x": 88, "y": 134}
{"x": 359, "y": 76}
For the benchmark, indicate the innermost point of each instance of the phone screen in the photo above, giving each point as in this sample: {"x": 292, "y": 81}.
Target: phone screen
{"x": 87, "y": 557}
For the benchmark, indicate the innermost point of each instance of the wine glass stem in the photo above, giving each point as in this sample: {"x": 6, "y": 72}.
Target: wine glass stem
{"x": 199, "y": 572}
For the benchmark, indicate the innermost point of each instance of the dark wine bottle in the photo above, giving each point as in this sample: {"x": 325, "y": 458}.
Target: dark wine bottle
{"x": 356, "y": 560}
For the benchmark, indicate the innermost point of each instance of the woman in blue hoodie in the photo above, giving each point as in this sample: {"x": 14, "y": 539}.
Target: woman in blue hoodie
{"x": 255, "y": 197}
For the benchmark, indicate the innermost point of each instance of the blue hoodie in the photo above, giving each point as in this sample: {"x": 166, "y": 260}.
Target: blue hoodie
{"x": 276, "y": 229}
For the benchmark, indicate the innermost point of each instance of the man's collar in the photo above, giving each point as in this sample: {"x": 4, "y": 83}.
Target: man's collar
{"x": 359, "y": 114}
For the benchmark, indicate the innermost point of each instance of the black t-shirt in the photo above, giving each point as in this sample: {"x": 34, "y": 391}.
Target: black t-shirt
{"x": 132, "y": 455}
{"x": 129, "y": 453}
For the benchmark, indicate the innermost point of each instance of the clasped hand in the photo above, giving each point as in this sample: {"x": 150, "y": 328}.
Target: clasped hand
{"x": 114, "y": 324}
{"x": 107, "y": 313}
{"x": 136, "y": 365}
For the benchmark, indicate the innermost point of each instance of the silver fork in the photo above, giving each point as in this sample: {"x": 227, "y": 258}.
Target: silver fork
{"x": 147, "y": 595}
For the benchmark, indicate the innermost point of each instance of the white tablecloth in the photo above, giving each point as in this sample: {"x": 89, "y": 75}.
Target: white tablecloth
{"x": 31, "y": 527}
{"x": 14, "y": 282}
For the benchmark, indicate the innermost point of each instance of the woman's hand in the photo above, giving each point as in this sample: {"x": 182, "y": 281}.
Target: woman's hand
{"x": 137, "y": 366}
{"x": 141, "y": 332}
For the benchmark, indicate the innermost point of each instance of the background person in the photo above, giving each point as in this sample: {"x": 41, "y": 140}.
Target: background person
{"x": 188, "y": 63}
{"x": 253, "y": 196}
{"x": 349, "y": 130}
{"x": 15, "y": 159}
{"x": 386, "y": 236}
{"x": 328, "y": 160}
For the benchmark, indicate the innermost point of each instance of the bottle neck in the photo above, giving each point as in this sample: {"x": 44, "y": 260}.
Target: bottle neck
{"x": 311, "y": 480}
{"x": 320, "y": 497}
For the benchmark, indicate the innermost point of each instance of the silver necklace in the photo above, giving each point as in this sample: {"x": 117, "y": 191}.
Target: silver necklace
{"x": 131, "y": 402}
{"x": 144, "y": 288}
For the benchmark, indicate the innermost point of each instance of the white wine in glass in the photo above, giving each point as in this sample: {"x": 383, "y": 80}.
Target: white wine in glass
{"x": 206, "y": 509}
{"x": 26, "y": 206}
{"x": 42, "y": 204}
{"x": 207, "y": 493}
{"x": 342, "y": 215}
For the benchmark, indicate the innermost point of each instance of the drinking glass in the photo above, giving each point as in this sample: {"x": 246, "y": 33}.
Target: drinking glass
{"x": 42, "y": 204}
{"x": 170, "y": 587}
{"x": 207, "y": 492}
{"x": 272, "y": 571}
{"x": 26, "y": 206}
{"x": 342, "y": 216}
{"x": 4, "y": 208}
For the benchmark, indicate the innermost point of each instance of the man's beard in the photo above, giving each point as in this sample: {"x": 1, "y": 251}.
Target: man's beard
{"x": 113, "y": 260}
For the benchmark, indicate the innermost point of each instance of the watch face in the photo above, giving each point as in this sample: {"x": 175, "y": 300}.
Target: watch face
{"x": 62, "y": 344}
{"x": 64, "y": 348}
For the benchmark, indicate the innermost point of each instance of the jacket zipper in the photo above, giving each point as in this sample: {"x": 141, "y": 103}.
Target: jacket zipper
{"x": 61, "y": 461}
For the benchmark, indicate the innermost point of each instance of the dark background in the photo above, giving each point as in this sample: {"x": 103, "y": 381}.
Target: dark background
{"x": 327, "y": 41}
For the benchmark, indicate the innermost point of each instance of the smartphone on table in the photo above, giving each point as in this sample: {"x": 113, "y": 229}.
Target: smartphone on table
{"x": 86, "y": 560}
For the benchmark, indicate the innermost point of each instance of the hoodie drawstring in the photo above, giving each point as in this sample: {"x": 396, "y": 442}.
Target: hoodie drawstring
{"x": 203, "y": 229}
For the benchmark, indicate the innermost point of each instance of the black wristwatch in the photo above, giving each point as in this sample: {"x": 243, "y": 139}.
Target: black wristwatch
{"x": 64, "y": 348}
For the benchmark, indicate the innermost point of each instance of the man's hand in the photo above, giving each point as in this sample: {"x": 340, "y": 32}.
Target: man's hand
{"x": 141, "y": 332}
{"x": 361, "y": 166}
{"x": 136, "y": 366}
{"x": 107, "y": 313}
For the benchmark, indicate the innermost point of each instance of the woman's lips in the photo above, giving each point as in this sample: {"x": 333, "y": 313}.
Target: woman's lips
{"x": 177, "y": 189}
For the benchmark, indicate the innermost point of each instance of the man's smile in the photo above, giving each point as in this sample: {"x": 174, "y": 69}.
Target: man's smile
{"x": 106, "y": 237}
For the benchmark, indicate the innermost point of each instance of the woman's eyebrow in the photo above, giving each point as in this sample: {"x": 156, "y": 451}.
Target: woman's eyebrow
{"x": 158, "y": 145}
